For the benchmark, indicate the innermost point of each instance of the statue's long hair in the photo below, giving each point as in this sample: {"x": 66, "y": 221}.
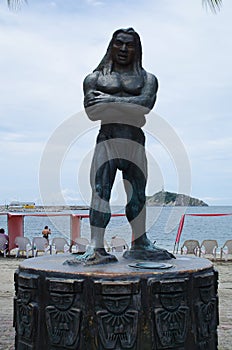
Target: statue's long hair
{"x": 106, "y": 64}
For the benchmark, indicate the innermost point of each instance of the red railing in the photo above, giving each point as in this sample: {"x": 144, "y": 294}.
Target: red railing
{"x": 15, "y": 224}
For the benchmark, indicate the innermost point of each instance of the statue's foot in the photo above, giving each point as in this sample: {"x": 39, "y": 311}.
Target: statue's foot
{"x": 92, "y": 256}
{"x": 144, "y": 249}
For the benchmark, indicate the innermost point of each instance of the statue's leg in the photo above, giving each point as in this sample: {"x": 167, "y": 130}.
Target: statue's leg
{"x": 142, "y": 247}
{"x": 135, "y": 183}
{"x": 101, "y": 183}
{"x": 101, "y": 178}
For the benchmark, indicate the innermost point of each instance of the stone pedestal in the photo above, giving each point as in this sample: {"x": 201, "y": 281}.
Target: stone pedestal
{"x": 115, "y": 306}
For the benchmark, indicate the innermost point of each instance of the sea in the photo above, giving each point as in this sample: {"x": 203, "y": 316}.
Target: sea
{"x": 162, "y": 225}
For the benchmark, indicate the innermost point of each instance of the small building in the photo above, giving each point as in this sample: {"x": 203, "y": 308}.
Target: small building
{"x": 21, "y": 205}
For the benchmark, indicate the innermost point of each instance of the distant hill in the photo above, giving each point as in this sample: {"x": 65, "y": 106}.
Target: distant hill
{"x": 164, "y": 198}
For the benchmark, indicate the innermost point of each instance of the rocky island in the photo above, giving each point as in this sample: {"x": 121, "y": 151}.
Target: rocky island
{"x": 164, "y": 198}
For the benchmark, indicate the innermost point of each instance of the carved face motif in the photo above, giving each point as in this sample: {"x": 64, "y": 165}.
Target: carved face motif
{"x": 205, "y": 294}
{"x": 62, "y": 301}
{"x": 123, "y": 50}
{"x": 24, "y": 295}
{"x": 117, "y": 305}
{"x": 171, "y": 302}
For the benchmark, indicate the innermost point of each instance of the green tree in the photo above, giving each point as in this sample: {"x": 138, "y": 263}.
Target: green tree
{"x": 214, "y": 5}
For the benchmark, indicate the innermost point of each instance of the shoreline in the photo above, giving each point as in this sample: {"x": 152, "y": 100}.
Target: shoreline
{"x": 9, "y": 265}
{"x": 42, "y": 209}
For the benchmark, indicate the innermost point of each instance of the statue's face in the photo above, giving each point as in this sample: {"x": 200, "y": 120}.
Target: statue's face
{"x": 123, "y": 50}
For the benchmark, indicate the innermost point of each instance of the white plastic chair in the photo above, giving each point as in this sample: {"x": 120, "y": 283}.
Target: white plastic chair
{"x": 4, "y": 245}
{"x": 209, "y": 247}
{"x": 23, "y": 245}
{"x": 60, "y": 245}
{"x": 118, "y": 244}
{"x": 226, "y": 249}
{"x": 107, "y": 246}
{"x": 40, "y": 244}
{"x": 190, "y": 246}
{"x": 81, "y": 244}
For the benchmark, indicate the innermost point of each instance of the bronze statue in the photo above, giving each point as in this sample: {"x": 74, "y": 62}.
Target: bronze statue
{"x": 120, "y": 93}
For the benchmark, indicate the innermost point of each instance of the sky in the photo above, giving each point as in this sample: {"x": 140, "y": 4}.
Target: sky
{"x": 47, "y": 141}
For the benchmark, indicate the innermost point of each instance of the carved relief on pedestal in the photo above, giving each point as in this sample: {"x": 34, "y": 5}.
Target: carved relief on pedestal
{"x": 117, "y": 314}
{"x": 206, "y": 311}
{"x": 170, "y": 313}
{"x": 63, "y": 316}
{"x": 26, "y": 311}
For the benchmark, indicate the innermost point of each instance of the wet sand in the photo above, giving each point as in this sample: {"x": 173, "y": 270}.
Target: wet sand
{"x": 9, "y": 265}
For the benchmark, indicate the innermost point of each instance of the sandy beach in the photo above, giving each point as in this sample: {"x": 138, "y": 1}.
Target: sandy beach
{"x": 9, "y": 265}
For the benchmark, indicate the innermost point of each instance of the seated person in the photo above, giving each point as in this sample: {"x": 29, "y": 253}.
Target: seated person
{"x": 2, "y": 234}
